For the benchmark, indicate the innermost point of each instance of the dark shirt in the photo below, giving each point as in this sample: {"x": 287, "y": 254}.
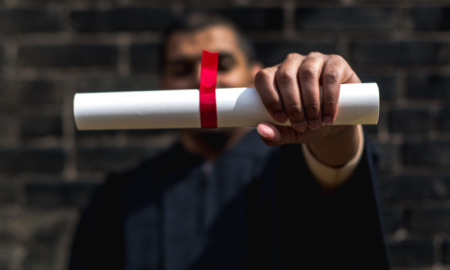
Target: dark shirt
{"x": 255, "y": 207}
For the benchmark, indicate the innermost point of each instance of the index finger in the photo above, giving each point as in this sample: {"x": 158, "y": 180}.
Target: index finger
{"x": 267, "y": 89}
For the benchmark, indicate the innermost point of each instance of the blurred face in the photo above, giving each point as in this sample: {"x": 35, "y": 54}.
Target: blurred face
{"x": 184, "y": 56}
{"x": 182, "y": 71}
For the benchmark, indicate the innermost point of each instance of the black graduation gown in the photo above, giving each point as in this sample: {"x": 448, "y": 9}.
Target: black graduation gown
{"x": 259, "y": 207}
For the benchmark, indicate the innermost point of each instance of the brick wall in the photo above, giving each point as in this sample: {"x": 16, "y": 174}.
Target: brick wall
{"x": 51, "y": 49}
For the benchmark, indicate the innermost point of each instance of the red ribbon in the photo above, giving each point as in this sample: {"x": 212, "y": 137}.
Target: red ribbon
{"x": 208, "y": 78}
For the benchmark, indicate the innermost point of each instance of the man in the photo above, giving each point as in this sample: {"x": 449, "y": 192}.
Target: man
{"x": 221, "y": 198}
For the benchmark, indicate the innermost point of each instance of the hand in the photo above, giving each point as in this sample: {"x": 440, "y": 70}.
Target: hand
{"x": 290, "y": 90}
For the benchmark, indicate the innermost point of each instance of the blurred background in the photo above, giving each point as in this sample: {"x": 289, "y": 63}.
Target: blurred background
{"x": 51, "y": 49}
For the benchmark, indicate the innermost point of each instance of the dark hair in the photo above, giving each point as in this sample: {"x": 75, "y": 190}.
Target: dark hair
{"x": 194, "y": 21}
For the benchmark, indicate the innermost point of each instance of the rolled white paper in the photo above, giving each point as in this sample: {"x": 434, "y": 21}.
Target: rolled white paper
{"x": 236, "y": 107}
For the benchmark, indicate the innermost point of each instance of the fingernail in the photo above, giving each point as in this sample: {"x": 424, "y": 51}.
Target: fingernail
{"x": 262, "y": 131}
{"x": 280, "y": 117}
{"x": 300, "y": 126}
{"x": 327, "y": 121}
{"x": 314, "y": 124}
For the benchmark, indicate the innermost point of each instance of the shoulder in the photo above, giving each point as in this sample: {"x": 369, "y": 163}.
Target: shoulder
{"x": 121, "y": 187}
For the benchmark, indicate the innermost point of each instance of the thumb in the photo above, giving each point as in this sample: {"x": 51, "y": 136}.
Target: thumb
{"x": 269, "y": 133}
{"x": 276, "y": 135}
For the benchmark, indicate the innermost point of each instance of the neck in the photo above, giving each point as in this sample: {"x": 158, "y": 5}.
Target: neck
{"x": 211, "y": 143}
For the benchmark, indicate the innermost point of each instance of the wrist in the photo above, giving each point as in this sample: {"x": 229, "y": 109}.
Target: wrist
{"x": 330, "y": 177}
{"x": 338, "y": 147}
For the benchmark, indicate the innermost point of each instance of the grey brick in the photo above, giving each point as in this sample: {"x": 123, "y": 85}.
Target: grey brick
{"x": 9, "y": 254}
{"x": 40, "y": 92}
{"x": 414, "y": 252}
{"x": 428, "y": 87}
{"x": 50, "y": 232}
{"x": 30, "y": 20}
{"x": 400, "y": 53}
{"x": 63, "y": 56}
{"x": 38, "y": 258}
{"x": 409, "y": 120}
{"x": 9, "y": 191}
{"x": 345, "y": 18}
{"x": 41, "y": 125}
{"x": 388, "y": 156}
{"x": 430, "y": 219}
{"x": 32, "y": 160}
{"x": 446, "y": 251}
{"x": 250, "y": 18}
{"x": 426, "y": 153}
{"x": 145, "y": 57}
{"x": 90, "y": 135}
{"x": 143, "y": 81}
{"x": 149, "y": 133}
{"x": 444, "y": 119}
{"x": 58, "y": 194}
{"x": 37, "y": 239}
{"x": 121, "y": 19}
{"x": 6, "y": 123}
{"x": 8, "y": 95}
{"x": 429, "y": 18}
{"x": 406, "y": 187}
{"x": 35, "y": 227}
{"x": 47, "y": 239}
{"x": 272, "y": 53}
{"x": 2, "y": 56}
{"x": 110, "y": 159}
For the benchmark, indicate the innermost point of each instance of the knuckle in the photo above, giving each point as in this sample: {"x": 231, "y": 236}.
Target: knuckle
{"x": 331, "y": 76}
{"x": 331, "y": 101}
{"x": 336, "y": 57}
{"x": 312, "y": 109}
{"x": 315, "y": 54}
{"x": 308, "y": 72}
{"x": 271, "y": 102}
{"x": 294, "y": 109}
{"x": 286, "y": 76}
{"x": 262, "y": 75}
{"x": 293, "y": 55}
{"x": 295, "y": 112}
{"x": 338, "y": 60}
